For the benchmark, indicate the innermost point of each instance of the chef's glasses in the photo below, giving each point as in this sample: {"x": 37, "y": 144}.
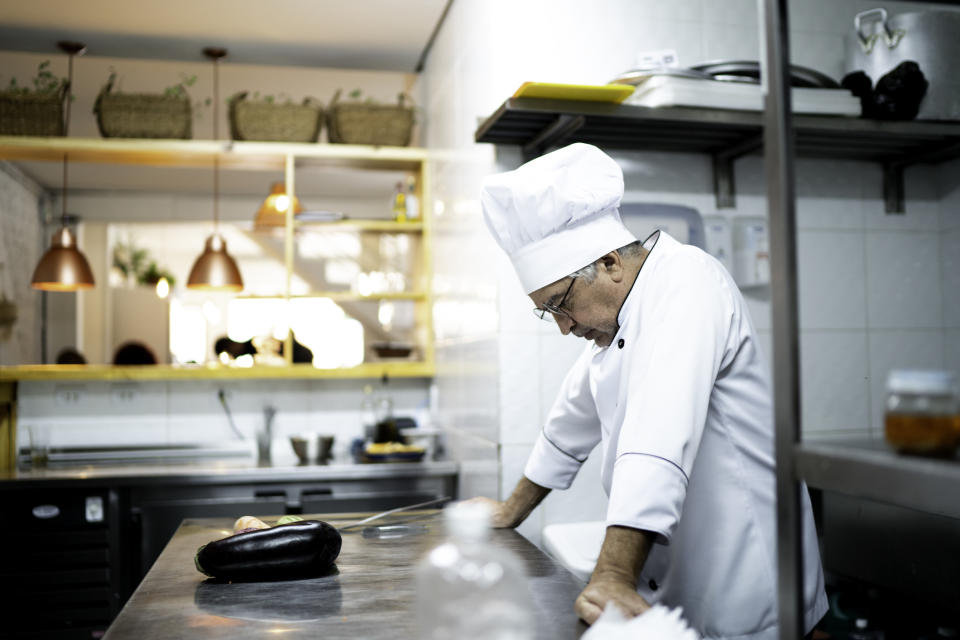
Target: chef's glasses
{"x": 548, "y": 311}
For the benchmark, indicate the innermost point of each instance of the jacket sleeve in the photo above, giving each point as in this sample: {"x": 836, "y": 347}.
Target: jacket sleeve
{"x": 668, "y": 385}
{"x": 570, "y": 433}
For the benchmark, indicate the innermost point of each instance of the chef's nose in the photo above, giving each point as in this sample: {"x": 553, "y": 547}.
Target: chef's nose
{"x": 565, "y": 323}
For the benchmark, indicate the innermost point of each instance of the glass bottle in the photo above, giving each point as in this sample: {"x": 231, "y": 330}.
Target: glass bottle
{"x": 399, "y": 203}
{"x": 412, "y": 201}
{"x": 923, "y": 411}
{"x": 470, "y": 589}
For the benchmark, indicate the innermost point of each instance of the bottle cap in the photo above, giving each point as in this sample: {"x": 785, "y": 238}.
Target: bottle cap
{"x": 921, "y": 381}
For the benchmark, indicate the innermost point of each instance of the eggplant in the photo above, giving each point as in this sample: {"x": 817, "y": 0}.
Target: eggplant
{"x": 286, "y": 551}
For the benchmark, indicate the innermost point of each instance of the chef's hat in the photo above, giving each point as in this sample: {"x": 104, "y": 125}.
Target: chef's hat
{"x": 556, "y": 214}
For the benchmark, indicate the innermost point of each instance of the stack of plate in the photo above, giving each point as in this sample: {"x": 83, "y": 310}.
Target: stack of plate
{"x": 734, "y": 85}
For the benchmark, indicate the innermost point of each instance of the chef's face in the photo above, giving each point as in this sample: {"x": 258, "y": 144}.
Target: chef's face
{"x": 588, "y": 310}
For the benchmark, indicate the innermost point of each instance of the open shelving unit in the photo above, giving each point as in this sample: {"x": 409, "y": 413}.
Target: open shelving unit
{"x": 537, "y": 125}
{"x": 260, "y": 155}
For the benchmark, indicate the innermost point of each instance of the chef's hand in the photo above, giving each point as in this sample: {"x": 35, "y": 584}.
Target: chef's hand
{"x": 515, "y": 509}
{"x": 500, "y": 518}
{"x": 605, "y": 588}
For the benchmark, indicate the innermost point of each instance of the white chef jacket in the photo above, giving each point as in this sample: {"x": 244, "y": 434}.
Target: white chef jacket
{"x": 680, "y": 403}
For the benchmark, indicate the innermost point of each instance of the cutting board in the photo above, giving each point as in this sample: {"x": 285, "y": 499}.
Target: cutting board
{"x": 592, "y": 93}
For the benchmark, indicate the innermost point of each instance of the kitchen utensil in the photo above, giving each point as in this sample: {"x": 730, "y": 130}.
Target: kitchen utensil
{"x": 749, "y": 71}
{"x": 324, "y": 449}
{"x": 876, "y": 45}
{"x": 226, "y": 409}
{"x": 639, "y": 76}
{"x": 590, "y": 93}
{"x": 301, "y": 447}
{"x": 390, "y": 531}
{"x": 383, "y": 514}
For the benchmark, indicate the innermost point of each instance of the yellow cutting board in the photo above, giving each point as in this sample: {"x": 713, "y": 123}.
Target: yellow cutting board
{"x": 592, "y": 93}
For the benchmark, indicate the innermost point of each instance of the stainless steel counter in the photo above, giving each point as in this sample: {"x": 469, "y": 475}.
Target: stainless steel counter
{"x": 370, "y": 594}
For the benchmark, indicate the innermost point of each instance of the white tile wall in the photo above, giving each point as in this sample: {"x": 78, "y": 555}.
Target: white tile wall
{"x": 951, "y": 350}
{"x": 903, "y": 280}
{"x": 831, "y": 280}
{"x": 833, "y": 377}
{"x": 950, "y": 274}
{"x": 132, "y": 413}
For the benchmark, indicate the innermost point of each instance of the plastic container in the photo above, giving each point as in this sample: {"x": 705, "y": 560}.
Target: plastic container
{"x": 923, "y": 412}
{"x": 469, "y": 589}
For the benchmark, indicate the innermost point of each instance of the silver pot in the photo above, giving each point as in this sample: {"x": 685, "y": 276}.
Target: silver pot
{"x": 930, "y": 38}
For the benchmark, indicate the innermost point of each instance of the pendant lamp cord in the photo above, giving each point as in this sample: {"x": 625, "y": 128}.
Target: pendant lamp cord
{"x": 66, "y": 128}
{"x": 63, "y": 197}
{"x": 216, "y": 136}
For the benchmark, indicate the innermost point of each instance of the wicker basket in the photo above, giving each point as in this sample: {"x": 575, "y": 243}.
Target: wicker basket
{"x": 32, "y": 114}
{"x": 142, "y": 115}
{"x": 251, "y": 120}
{"x": 363, "y": 123}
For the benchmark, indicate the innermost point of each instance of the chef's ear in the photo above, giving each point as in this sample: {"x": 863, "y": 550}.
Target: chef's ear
{"x": 612, "y": 264}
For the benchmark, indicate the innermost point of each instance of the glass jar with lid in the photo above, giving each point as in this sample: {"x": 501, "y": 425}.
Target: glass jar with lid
{"x": 922, "y": 412}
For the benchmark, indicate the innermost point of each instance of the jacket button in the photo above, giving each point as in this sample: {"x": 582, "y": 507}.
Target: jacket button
{"x": 620, "y": 343}
{"x": 652, "y": 584}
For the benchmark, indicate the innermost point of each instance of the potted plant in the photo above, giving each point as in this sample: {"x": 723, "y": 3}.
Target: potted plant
{"x": 359, "y": 121}
{"x": 145, "y": 115}
{"x": 267, "y": 118}
{"x": 35, "y": 109}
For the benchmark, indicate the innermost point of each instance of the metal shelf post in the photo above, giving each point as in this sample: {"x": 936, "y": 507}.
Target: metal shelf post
{"x": 778, "y": 164}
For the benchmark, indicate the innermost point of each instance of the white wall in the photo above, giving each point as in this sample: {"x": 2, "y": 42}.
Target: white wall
{"x": 876, "y": 291}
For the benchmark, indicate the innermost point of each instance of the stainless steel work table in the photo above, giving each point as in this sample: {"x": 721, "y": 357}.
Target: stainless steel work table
{"x": 370, "y": 594}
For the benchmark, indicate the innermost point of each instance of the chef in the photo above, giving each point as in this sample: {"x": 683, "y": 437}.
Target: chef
{"x": 673, "y": 388}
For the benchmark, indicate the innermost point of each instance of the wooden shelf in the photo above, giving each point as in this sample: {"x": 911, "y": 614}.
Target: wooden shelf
{"x": 405, "y": 369}
{"x": 389, "y": 226}
{"x": 200, "y": 153}
{"x": 347, "y": 296}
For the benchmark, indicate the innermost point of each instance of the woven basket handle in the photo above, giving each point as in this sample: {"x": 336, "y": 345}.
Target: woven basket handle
{"x": 336, "y": 96}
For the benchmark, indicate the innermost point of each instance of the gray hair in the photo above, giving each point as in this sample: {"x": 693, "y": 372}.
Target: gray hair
{"x": 589, "y": 273}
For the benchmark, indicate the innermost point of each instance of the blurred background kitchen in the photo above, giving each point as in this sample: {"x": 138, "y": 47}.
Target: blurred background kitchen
{"x": 426, "y": 322}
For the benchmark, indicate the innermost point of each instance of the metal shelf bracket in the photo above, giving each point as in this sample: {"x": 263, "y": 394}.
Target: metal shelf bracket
{"x": 563, "y": 126}
{"x": 724, "y": 183}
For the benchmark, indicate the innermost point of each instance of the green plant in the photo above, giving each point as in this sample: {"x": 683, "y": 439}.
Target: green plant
{"x": 44, "y": 82}
{"x": 268, "y": 98}
{"x": 136, "y": 264}
{"x": 179, "y": 90}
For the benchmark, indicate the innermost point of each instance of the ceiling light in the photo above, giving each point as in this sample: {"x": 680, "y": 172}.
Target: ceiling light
{"x": 273, "y": 211}
{"x": 62, "y": 267}
{"x": 215, "y": 269}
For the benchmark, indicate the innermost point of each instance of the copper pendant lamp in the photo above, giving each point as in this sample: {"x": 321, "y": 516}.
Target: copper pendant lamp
{"x": 215, "y": 269}
{"x": 62, "y": 267}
